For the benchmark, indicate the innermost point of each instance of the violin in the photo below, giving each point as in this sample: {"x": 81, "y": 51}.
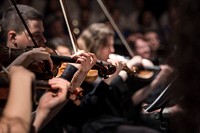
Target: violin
{"x": 73, "y": 94}
{"x": 41, "y": 69}
{"x": 39, "y": 85}
{"x": 144, "y": 71}
{"x": 104, "y": 68}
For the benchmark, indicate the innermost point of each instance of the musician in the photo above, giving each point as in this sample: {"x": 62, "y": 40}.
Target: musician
{"x": 15, "y": 37}
{"x": 114, "y": 108}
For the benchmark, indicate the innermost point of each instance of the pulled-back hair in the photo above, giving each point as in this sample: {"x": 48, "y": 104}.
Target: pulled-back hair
{"x": 94, "y": 37}
{"x": 12, "y": 21}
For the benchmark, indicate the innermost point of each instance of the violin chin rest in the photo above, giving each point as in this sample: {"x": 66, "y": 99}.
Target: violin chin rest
{"x": 145, "y": 74}
{"x": 91, "y": 76}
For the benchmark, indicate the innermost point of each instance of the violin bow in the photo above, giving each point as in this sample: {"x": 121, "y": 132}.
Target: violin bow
{"x": 69, "y": 25}
{"x": 109, "y": 17}
{"x": 4, "y": 69}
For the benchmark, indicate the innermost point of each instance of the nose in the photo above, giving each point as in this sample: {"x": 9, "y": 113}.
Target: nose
{"x": 112, "y": 49}
{"x": 44, "y": 39}
{"x": 41, "y": 41}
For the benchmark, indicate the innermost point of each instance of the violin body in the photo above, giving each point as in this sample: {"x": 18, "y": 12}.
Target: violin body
{"x": 41, "y": 69}
{"x": 8, "y": 55}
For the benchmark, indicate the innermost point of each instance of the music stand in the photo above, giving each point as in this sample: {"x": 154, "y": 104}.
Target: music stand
{"x": 162, "y": 99}
{"x": 160, "y": 103}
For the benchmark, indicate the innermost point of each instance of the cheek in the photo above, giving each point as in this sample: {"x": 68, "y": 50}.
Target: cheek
{"x": 101, "y": 54}
{"x": 139, "y": 50}
{"x": 105, "y": 53}
{"x": 22, "y": 42}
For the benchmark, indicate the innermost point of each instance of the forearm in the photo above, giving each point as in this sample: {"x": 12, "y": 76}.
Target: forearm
{"x": 39, "y": 119}
{"x": 16, "y": 116}
{"x": 20, "y": 94}
{"x": 43, "y": 117}
{"x": 144, "y": 92}
{"x": 78, "y": 78}
{"x": 23, "y": 60}
{"x": 123, "y": 74}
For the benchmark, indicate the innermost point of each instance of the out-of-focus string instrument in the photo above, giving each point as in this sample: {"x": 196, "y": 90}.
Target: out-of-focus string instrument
{"x": 139, "y": 71}
{"x": 145, "y": 70}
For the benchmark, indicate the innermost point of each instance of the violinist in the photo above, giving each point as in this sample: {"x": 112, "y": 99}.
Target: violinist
{"x": 140, "y": 45}
{"x": 16, "y": 37}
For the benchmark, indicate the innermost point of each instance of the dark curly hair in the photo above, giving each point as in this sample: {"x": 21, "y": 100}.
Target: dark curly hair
{"x": 186, "y": 34}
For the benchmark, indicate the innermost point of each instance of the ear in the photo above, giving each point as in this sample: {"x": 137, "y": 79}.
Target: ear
{"x": 12, "y": 37}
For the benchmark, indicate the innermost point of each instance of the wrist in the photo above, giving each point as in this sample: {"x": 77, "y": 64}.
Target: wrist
{"x": 82, "y": 71}
{"x": 42, "y": 113}
{"x": 123, "y": 74}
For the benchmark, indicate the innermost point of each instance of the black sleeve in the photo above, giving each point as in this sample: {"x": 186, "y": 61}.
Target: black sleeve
{"x": 74, "y": 115}
{"x": 69, "y": 72}
{"x": 101, "y": 89}
{"x": 119, "y": 84}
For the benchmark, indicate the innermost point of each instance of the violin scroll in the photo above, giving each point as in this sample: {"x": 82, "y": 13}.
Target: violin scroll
{"x": 104, "y": 68}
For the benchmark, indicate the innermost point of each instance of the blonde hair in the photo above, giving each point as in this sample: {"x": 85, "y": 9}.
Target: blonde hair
{"x": 94, "y": 37}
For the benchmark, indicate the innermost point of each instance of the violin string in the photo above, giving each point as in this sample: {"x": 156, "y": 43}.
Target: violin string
{"x": 4, "y": 76}
{"x": 4, "y": 69}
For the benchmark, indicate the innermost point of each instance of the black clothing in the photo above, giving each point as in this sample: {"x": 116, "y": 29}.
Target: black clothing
{"x": 104, "y": 110}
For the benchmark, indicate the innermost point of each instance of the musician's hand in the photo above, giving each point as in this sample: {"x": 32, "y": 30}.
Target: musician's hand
{"x": 86, "y": 60}
{"x": 51, "y": 102}
{"x": 136, "y": 60}
{"x": 52, "y": 99}
{"x": 119, "y": 66}
{"x": 39, "y": 55}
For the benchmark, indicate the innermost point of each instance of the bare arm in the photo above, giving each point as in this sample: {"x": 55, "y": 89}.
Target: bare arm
{"x": 162, "y": 77}
{"x": 37, "y": 54}
{"x": 15, "y": 117}
{"x": 87, "y": 61}
{"x": 51, "y": 103}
